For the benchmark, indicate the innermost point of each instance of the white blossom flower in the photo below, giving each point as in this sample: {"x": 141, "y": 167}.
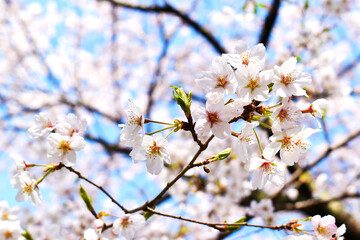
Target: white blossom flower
{"x": 19, "y": 161}
{"x": 10, "y": 230}
{"x": 134, "y": 124}
{"x": 220, "y": 79}
{"x": 42, "y": 125}
{"x": 266, "y": 170}
{"x": 215, "y": 118}
{"x": 339, "y": 232}
{"x": 291, "y": 143}
{"x": 317, "y": 107}
{"x": 252, "y": 83}
{"x": 287, "y": 81}
{"x": 245, "y": 139}
{"x": 286, "y": 116}
{"x": 7, "y": 213}
{"x": 91, "y": 234}
{"x": 27, "y": 188}
{"x": 128, "y": 225}
{"x": 154, "y": 150}
{"x": 244, "y": 55}
{"x": 63, "y": 148}
{"x": 258, "y": 209}
{"x": 324, "y": 227}
{"x": 71, "y": 125}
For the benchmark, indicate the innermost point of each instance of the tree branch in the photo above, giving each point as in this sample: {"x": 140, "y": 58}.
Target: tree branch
{"x": 168, "y": 9}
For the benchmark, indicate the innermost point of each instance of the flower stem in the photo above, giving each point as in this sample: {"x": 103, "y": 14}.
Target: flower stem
{"x": 152, "y": 121}
{"x": 274, "y": 106}
{"x": 265, "y": 125}
{"x": 43, "y": 177}
{"x": 257, "y": 139}
{"x": 160, "y": 130}
{"x": 170, "y": 132}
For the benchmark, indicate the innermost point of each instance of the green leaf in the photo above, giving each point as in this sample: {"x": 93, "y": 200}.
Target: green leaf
{"x": 183, "y": 100}
{"x": 224, "y": 154}
{"x": 88, "y": 201}
{"x": 235, "y": 228}
{"x": 27, "y": 235}
{"x": 148, "y": 214}
{"x": 270, "y": 85}
{"x": 306, "y": 4}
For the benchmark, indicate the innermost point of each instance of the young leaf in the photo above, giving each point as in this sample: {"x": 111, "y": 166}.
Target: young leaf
{"x": 148, "y": 214}
{"x": 88, "y": 201}
{"x": 235, "y": 228}
{"x": 183, "y": 100}
{"x": 27, "y": 235}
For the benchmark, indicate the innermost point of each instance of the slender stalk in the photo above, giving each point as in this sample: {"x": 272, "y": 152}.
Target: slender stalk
{"x": 152, "y": 121}
{"x": 160, "y": 130}
{"x": 257, "y": 139}
{"x": 265, "y": 125}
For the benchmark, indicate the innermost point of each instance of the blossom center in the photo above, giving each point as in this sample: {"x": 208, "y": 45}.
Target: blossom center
{"x": 267, "y": 167}
{"x": 283, "y": 114}
{"x": 48, "y": 124}
{"x": 135, "y": 120}
{"x": 323, "y": 230}
{"x": 155, "y": 149}
{"x": 8, "y": 234}
{"x": 212, "y": 118}
{"x": 65, "y": 146}
{"x": 245, "y": 57}
{"x": 5, "y": 216}
{"x": 253, "y": 83}
{"x": 222, "y": 81}
{"x": 72, "y": 131}
{"x": 125, "y": 222}
{"x": 27, "y": 189}
{"x": 286, "y": 80}
{"x": 287, "y": 144}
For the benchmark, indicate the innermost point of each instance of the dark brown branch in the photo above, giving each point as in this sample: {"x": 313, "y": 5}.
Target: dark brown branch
{"x": 61, "y": 165}
{"x": 315, "y": 202}
{"x": 167, "y": 8}
{"x": 269, "y": 22}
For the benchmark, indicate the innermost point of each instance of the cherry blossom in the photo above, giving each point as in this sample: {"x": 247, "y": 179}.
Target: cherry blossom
{"x": 91, "y": 234}
{"x": 266, "y": 170}
{"x": 324, "y": 227}
{"x": 62, "y": 148}
{"x": 71, "y": 125}
{"x": 27, "y": 188}
{"x": 10, "y": 230}
{"x": 7, "y": 213}
{"x": 153, "y": 149}
{"x": 287, "y": 81}
{"x": 287, "y": 115}
{"x": 291, "y": 143}
{"x": 252, "y": 82}
{"x": 215, "y": 118}
{"x": 244, "y": 55}
{"x": 220, "y": 79}
{"x": 42, "y": 125}
{"x": 134, "y": 124}
{"x": 128, "y": 225}
{"x": 246, "y": 139}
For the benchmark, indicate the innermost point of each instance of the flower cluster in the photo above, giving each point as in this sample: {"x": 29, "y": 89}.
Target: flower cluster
{"x": 10, "y": 228}
{"x": 126, "y": 225}
{"x": 324, "y": 228}
{"x": 242, "y": 73}
{"x": 153, "y": 148}
{"x": 66, "y": 137}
